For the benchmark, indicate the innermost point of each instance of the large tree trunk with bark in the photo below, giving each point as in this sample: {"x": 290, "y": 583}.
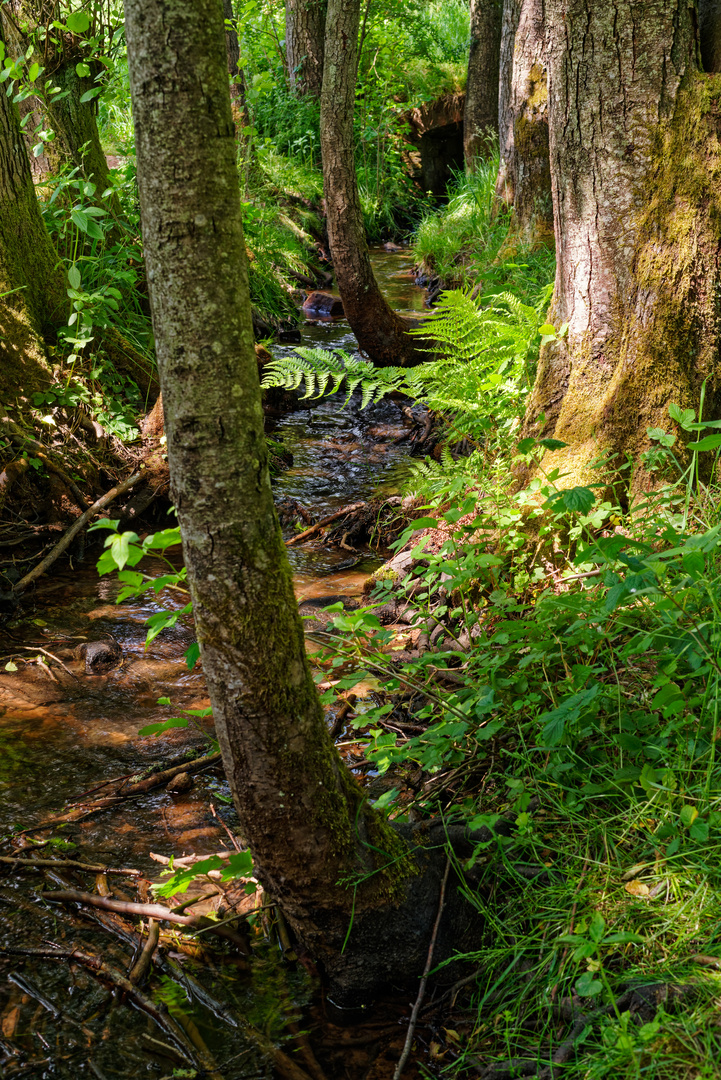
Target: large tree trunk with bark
{"x": 33, "y": 297}
{"x": 709, "y": 14}
{"x": 636, "y": 175}
{"x": 480, "y": 116}
{"x": 319, "y": 849}
{"x": 380, "y": 332}
{"x": 305, "y": 45}
{"x": 524, "y": 180}
{"x": 237, "y": 77}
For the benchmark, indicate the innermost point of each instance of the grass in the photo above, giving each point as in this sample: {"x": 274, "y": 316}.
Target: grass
{"x": 467, "y": 242}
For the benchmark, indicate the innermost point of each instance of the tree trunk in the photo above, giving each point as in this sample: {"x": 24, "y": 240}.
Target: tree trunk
{"x": 319, "y": 849}
{"x": 636, "y": 177}
{"x": 305, "y": 45}
{"x": 509, "y": 25}
{"x": 380, "y": 332}
{"x": 237, "y": 79}
{"x": 524, "y": 173}
{"x": 28, "y": 266}
{"x": 480, "y": 116}
{"x": 77, "y": 139}
{"x": 74, "y": 122}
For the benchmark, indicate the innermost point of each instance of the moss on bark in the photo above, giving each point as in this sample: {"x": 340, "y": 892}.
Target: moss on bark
{"x": 644, "y": 308}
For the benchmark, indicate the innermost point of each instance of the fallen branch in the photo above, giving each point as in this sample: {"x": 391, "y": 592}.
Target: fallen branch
{"x": 422, "y": 988}
{"x": 148, "y": 911}
{"x": 325, "y": 521}
{"x": 74, "y": 529}
{"x": 112, "y": 975}
{"x": 142, "y": 967}
{"x": 140, "y": 788}
{"x": 64, "y": 864}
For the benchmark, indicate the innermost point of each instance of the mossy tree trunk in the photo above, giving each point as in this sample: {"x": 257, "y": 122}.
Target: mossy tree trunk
{"x": 237, "y": 78}
{"x": 76, "y": 141}
{"x": 709, "y": 17}
{"x": 305, "y": 45}
{"x": 381, "y": 333}
{"x": 636, "y": 176}
{"x": 480, "y": 115}
{"x": 524, "y": 173}
{"x": 29, "y": 271}
{"x": 324, "y": 855}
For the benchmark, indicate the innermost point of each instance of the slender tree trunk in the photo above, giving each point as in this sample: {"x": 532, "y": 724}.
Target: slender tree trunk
{"x": 305, "y": 45}
{"x": 480, "y": 117}
{"x": 637, "y": 195}
{"x": 524, "y": 173}
{"x": 318, "y": 848}
{"x": 509, "y": 24}
{"x": 33, "y": 297}
{"x": 380, "y": 332}
{"x": 237, "y": 78}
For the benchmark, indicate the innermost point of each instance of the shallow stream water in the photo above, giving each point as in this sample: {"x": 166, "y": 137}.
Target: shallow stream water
{"x": 63, "y": 733}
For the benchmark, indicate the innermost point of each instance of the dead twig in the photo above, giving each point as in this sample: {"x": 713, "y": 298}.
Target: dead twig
{"x": 142, "y": 967}
{"x": 64, "y": 864}
{"x": 307, "y": 533}
{"x": 74, "y": 529}
{"x": 422, "y": 988}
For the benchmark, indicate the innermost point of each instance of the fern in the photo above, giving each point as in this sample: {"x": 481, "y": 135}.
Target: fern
{"x": 483, "y": 371}
{"x": 324, "y": 372}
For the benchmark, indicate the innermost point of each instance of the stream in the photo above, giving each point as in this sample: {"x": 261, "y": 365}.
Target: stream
{"x": 63, "y": 732}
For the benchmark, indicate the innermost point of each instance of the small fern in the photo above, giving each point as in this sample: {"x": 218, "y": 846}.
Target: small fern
{"x": 483, "y": 371}
{"x": 324, "y": 372}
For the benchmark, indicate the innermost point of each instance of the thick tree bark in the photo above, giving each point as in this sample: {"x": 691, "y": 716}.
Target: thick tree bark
{"x": 524, "y": 174}
{"x": 637, "y": 197}
{"x": 305, "y": 45}
{"x": 319, "y": 849}
{"x": 28, "y": 266}
{"x": 509, "y": 25}
{"x": 480, "y": 117}
{"x": 380, "y": 332}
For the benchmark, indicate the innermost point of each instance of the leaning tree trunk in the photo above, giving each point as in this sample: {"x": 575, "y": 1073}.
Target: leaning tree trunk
{"x": 33, "y": 297}
{"x": 319, "y": 849}
{"x": 636, "y": 176}
{"x": 480, "y": 115}
{"x": 305, "y": 45}
{"x": 380, "y": 332}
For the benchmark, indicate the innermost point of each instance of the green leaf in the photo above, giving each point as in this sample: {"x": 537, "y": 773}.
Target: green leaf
{"x": 683, "y": 417}
{"x": 699, "y": 832}
{"x": 552, "y": 444}
{"x": 596, "y": 927}
{"x": 165, "y": 725}
{"x": 577, "y": 499}
{"x": 10, "y": 666}
{"x": 547, "y": 330}
{"x": 525, "y": 445}
{"x": 711, "y": 442}
{"x": 33, "y": 73}
{"x": 82, "y": 70}
{"x": 688, "y": 815}
{"x": 77, "y": 22}
{"x": 74, "y": 277}
{"x": 192, "y": 655}
{"x": 588, "y": 986}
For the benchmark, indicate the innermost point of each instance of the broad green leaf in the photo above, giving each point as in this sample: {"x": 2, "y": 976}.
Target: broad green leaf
{"x": 82, "y": 70}
{"x": 78, "y": 22}
{"x": 74, "y": 276}
{"x": 711, "y": 442}
{"x": 552, "y": 444}
{"x": 588, "y": 986}
{"x": 596, "y": 927}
